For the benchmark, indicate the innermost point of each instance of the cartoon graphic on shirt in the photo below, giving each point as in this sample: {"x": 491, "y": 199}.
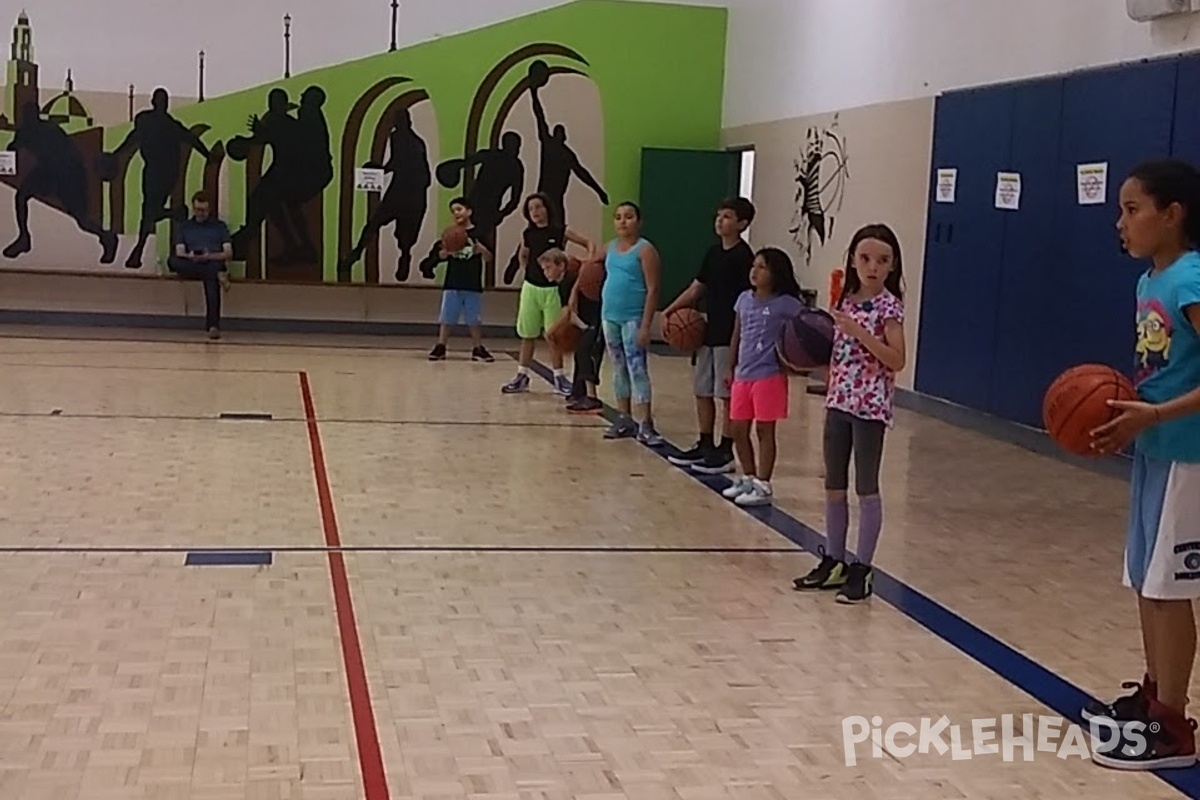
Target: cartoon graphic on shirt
{"x": 1153, "y": 338}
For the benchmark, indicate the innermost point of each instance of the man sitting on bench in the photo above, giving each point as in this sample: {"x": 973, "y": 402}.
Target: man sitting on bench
{"x": 201, "y": 251}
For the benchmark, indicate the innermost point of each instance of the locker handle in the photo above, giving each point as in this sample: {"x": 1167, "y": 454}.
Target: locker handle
{"x": 937, "y": 233}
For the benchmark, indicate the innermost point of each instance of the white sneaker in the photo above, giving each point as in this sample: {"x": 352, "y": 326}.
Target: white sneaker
{"x": 740, "y": 486}
{"x": 759, "y": 494}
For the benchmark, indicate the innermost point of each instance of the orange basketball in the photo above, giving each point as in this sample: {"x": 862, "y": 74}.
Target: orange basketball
{"x": 591, "y": 279}
{"x": 573, "y": 266}
{"x": 1077, "y": 403}
{"x": 454, "y": 239}
{"x": 684, "y": 329}
{"x": 565, "y": 336}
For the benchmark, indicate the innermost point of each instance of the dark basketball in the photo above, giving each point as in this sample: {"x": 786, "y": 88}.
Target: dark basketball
{"x": 539, "y": 74}
{"x": 449, "y": 173}
{"x": 591, "y": 279}
{"x": 684, "y": 329}
{"x": 1077, "y": 403}
{"x": 238, "y": 148}
{"x": 806, "y": 343}
{"x": 454, "y": 239}
{"x": 565, "y": 335}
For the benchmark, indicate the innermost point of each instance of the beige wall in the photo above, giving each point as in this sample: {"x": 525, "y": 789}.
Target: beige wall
{"x": 874, "y": 167}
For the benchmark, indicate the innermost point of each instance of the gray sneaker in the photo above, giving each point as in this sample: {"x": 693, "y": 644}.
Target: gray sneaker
{"x": 623, "y": 428}
{"x": 648, "y": 436}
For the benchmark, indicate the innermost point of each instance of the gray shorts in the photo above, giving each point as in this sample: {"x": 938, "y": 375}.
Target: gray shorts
{"x": 710, "y": 366}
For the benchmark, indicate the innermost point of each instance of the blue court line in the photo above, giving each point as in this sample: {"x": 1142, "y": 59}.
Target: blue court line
{"x": 228, "y": 558}
{"x": 1058, "y": 694}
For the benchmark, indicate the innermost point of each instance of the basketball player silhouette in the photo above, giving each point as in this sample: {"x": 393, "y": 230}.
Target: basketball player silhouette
{"x": 59, "y": 174}
{"x": 158, "y": 137}
{"x": 558, "y": 161}
{"x": 406, "y": 200}
{"x": 500, "y": 174}
{"x": 301, "y": 168}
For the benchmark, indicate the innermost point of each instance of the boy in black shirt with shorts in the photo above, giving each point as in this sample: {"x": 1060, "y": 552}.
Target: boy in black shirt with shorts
{"x": 724, "y": 275}
{"x": 462, "y": 289}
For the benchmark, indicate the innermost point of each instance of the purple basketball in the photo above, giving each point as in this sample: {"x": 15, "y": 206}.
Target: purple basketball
{"x": 807, "y": 341}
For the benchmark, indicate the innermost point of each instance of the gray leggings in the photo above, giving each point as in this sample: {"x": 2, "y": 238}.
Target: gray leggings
{"x": 846, "y": 434}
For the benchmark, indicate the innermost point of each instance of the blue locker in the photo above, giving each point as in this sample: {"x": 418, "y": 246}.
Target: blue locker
{"x": 1122, "y": 116}
{"x": 1185, "y": 142}
{"x": 1027, "y": 304}
{"x": 961, "y": 277}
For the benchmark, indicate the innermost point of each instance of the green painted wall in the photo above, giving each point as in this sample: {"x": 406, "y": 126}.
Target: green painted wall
{"x": 659, "y": 69}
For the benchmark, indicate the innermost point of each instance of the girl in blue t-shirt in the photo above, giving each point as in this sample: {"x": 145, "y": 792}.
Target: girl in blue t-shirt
{"x": 1160, "y": 222}
{"x": 628, "y": 302}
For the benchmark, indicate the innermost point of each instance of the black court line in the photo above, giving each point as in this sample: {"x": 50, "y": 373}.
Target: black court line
{"x": 402, "y": 548}
{"x": 423, "y": 423}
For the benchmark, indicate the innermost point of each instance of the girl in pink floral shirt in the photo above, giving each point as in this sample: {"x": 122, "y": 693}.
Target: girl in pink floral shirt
{"x": 868, "y": 351}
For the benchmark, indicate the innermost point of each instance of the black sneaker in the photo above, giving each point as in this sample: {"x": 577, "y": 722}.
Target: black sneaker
{"x": 438, "y": 353}
{"x": 694, "y": 456}
{"x": 829, "y": 574}
{"x": 585, "y": 405}
{"x": 1124, "y": 709}
{"x": 481, "y": 354}
{"x": 719, "y": 461}
{"x": 858, "y": 584}
{"x": 1163, "y": 740}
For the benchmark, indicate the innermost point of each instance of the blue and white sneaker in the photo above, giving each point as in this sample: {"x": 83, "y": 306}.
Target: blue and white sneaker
{"x": 517, "y": 385}
{"x": 562, "y": 385}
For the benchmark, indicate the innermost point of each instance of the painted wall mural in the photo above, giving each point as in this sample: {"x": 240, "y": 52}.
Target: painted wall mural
{"x": 821, "y": 171}
{"x": 561, "y": 101}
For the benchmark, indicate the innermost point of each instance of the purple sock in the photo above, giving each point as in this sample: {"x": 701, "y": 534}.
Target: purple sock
{"x": 837, "y": 520}
{"x": 870, "y": 522}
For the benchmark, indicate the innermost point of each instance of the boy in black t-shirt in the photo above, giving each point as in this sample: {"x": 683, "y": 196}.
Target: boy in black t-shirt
{"x": 462, "y": 289}
{"x": 723, "y": 276}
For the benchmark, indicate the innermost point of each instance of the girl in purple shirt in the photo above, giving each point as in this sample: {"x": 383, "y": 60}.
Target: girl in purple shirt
{"x": 759, "y": 390}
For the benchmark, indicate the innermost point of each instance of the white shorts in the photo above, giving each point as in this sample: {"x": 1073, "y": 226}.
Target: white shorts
{"x": 1162, "y": 551}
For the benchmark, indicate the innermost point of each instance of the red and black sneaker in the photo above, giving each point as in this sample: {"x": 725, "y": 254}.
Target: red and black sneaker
{"x": 1163, "y": 740}
{"x": 1124, "y": 709}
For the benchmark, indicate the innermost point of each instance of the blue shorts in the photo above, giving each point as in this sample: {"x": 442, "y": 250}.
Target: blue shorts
{"x": 1162, "y": 551}
{"x": 459, "y": 306}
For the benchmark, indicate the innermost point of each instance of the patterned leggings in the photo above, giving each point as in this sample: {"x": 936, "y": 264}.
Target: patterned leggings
{"x": 631, "y": 375}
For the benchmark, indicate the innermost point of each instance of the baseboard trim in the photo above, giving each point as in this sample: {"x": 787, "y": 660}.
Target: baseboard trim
{"x": 1013, "y": 433}
{"x": 80, "y": 319}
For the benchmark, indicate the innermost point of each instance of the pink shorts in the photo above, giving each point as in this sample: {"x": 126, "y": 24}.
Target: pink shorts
{"x": 763, "y": 400}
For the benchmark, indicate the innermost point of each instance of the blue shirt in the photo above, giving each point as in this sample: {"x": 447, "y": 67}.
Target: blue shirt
{"x": 1168, "y": 356}
{"x": 623, "y": 297}
{"x": 209, "y": 236}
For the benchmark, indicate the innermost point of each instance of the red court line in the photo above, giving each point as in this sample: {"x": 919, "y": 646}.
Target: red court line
{"x": 370, "y": 758}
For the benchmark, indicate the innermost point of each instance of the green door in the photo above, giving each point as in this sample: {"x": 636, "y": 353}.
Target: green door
{"x": 680, "y": 192}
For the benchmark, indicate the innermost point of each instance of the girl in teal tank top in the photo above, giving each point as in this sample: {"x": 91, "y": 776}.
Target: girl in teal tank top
{"x": 628, "y": 302}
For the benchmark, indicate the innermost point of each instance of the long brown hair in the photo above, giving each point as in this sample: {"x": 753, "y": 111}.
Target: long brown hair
{"x": 895, "y": 279}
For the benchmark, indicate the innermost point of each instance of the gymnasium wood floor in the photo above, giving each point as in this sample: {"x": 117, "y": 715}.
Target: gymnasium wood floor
{"x": 475, "y": 596}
